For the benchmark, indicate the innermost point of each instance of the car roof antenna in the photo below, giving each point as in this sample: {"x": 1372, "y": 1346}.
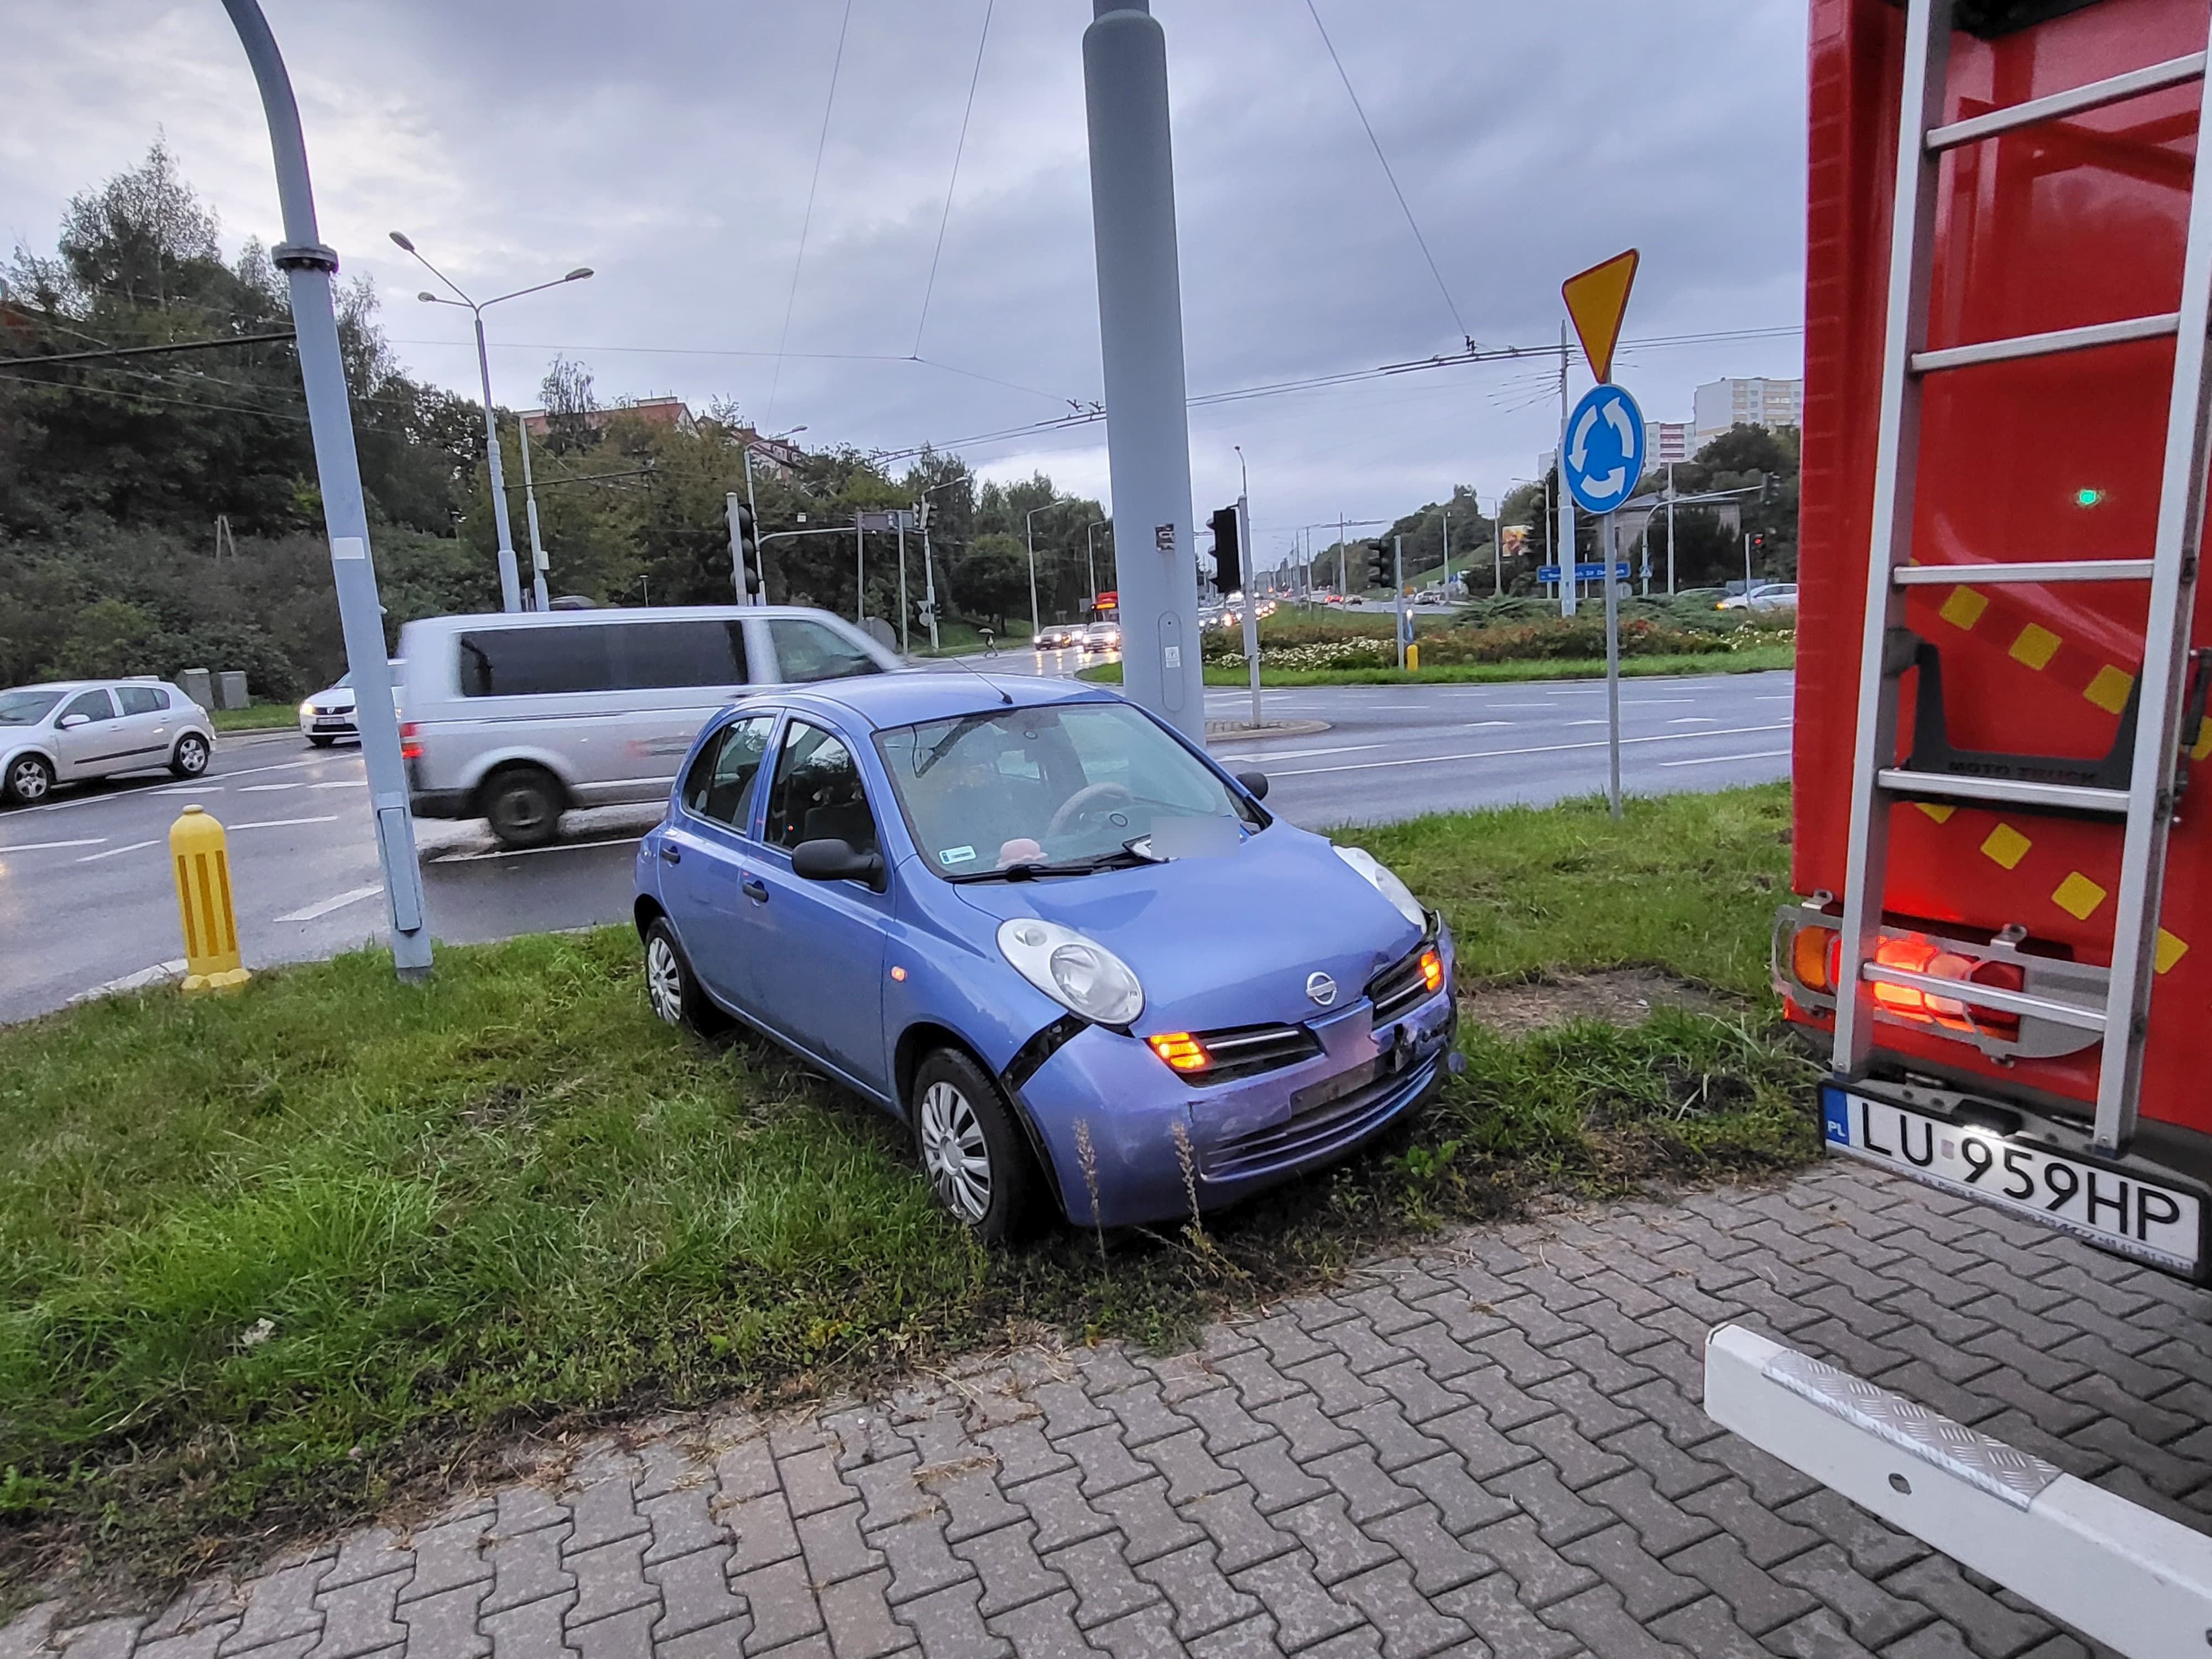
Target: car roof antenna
{"x": 1005, "y": 696}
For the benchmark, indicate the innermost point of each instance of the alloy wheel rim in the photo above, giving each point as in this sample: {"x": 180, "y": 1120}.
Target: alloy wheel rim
{"x": 955, "y": 1153}
{"x": 30, "y": 781}
{"x": 193, "y": 756}
{"x": 663, "y": 980}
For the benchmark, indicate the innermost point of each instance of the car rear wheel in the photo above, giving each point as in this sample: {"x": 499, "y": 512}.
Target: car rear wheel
{"x": 190, "y": 757}
{"x": 972, "y": 1150}
{"x": 29, "y": 779}
{"x": 671, "y": 988}
{"x": 522, "y": 804}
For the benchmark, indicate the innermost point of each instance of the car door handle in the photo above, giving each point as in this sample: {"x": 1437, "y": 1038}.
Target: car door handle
{"x": 670, "y": 854}
{"x": 754, "y": 888}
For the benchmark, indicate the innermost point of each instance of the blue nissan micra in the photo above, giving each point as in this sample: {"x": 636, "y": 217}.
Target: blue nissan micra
{"x": 1080, "y": 960}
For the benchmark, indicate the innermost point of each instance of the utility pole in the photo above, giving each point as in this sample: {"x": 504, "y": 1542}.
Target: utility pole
{"x": 1398, "y": 583}
{"x": 901, "y": 547}
{"x": 1569, "y": 586}
{"x": 1140, "y": 335}
{"x": 1444, "y": 581}
{"x": 929, "y": 570}
{"x": 1670, "y": 530}
{"x": 1496, "y": 548}
{"x": 1029, "y": 532}
{"x": 859, "y": 570}
{"x": 529, "y": 511}
{"x": 307, "y": 266}
{"x": 1747, "y": 567}
{"x": 1343, "y": 587}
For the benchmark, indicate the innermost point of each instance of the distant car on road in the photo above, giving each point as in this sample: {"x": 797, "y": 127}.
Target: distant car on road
{"x": 329, "y": 715}
{"x": 1763, "y": 596}
{"x": 1059, "y": 637}
{"x": 69, "y": 731}
{"x": 1076, "y": 957}
{"x": 1102, "y": 637}
{"x": 516, "y": 717}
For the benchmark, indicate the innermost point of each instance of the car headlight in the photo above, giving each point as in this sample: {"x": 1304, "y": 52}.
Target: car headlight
{"x": 1383, "y": 881}
{"x": 1079, "y": 974}
{"x": 306, "y": 708}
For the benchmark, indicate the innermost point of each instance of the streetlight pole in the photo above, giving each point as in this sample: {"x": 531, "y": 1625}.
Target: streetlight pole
{"x": 746, "y": 451}
{"x": 530, "y": 512}
{"x": 1029, "y": 532}
{"x": 1250, "y": 573}
{"x": 510, "y": 586}
{"x": 307, "y": 266}
{"x": 1090, "y": 556}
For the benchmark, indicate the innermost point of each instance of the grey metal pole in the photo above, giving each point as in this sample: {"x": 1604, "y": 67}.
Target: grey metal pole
{"x": 1444, "y": 581}
{"x": 529, "y": 511}
{"x": 859, "y": 570}
{"x": 730, "y": 510}
{"x": 1570, "y": 588}
{"x": 1029, "y": 532}
{"x": 1343, "y": 587}
{"x": 510, "y": 583}
{"x": 1125, "y": 80}
{"x": 1746, "y": 568}
{"x": 904, "y": 646}
{"x": 1251, "y": 603}
{"x": 1609, "y": 550}
{"x": 1498, "y": 549}
{"x": 307, "y": 266}
{"x": 1398, "y": 592}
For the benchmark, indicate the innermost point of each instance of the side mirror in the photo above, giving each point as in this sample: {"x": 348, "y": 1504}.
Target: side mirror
{"x": 1256, "y": 784}
{"x": 838, "y": 861}
{"x": 70, "y": 722}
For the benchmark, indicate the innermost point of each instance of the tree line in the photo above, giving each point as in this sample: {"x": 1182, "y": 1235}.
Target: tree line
{"x": 158, "y": 508}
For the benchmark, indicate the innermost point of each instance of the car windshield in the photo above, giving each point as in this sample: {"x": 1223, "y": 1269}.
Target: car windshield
{"x": 1058, "y": 790}
{"x": 27, "y": 708}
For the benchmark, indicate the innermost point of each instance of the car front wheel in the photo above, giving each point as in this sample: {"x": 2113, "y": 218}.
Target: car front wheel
{"x": 29, "y": 779}
{"x": 190, "y": 757}
{"x": 972, "y": 1150}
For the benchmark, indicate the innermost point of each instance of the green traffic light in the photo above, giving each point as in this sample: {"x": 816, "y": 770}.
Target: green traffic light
{"x": 2087, "y": 497}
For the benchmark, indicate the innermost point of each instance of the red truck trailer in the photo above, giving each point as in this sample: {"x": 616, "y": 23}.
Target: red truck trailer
{"x": 2005, "y": 860}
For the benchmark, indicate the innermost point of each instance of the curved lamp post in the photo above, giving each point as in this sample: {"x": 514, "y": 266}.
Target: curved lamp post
{"x": 307, "y": 266}
{"x": 510, "y": 586}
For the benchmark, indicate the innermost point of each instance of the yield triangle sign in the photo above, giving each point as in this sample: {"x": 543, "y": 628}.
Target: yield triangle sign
{"x": 1597, "y": 299}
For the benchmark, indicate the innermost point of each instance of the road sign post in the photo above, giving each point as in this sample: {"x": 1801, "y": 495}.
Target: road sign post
{"x": 1609, "y": 535}
{"x": 1603, "y": 460}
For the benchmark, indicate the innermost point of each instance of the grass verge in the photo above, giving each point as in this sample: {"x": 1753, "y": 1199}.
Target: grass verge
{"x": 270, "y": 1261}
{"x": 1733, "y": 662}
{"x": 257, "y": 717}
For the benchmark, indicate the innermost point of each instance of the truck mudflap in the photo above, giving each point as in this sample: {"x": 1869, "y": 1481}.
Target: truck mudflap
{"x": 2117, "y": 1572}
{"x": 2039, "y": 1169}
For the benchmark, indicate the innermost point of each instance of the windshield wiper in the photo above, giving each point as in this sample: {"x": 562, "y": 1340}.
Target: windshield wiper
{"x": 1121, "y": 858}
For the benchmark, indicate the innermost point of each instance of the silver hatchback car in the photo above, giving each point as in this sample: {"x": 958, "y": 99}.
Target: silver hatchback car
{"x": 69, "y": 731}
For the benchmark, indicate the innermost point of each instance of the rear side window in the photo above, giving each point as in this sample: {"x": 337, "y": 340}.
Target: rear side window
{"x": 642, "y": 656}
{"x": 806, "y": 651}
{"x": 722, "y": 780}
{"x": 142, "y": 699}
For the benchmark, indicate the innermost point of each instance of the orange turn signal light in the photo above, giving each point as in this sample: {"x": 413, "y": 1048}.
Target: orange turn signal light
{"x": 1812, "y": 953}
{"x": 1432, "y": 971}
{"x": 1184, "y": 1052}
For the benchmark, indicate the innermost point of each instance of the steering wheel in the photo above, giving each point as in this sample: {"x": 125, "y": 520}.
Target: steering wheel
{"x": 1084, "y": 802}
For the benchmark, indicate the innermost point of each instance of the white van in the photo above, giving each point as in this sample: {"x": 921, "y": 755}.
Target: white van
{"x": 516, "y": 717}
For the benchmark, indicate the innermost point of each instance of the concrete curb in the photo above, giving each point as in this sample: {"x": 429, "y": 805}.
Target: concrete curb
{"x": 1245, "y": 731}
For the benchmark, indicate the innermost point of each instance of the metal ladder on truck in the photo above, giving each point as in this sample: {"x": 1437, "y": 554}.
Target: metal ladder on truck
{"x": 2145, "y": 806}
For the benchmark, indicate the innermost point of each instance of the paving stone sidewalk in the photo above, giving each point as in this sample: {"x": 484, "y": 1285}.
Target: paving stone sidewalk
{"x": 1492, "y": 1448}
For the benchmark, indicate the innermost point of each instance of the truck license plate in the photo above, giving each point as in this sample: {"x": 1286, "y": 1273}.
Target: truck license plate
{"x": 2120, "y": 1210}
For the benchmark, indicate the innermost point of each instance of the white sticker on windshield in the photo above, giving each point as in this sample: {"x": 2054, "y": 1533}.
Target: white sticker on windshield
{"x": 957, "y": 855}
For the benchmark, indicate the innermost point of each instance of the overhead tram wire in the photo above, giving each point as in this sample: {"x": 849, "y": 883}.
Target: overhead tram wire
{"x": 959, "y": 149}
{"x": 807, "y": 223}
{"x": 1404, "y": 207}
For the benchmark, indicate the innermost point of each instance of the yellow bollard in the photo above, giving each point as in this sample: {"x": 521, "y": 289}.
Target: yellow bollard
{"x": 1413, "y": 660}
{"x": 200, "y": 852}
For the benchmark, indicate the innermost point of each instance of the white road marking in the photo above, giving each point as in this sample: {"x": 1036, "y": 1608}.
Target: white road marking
{"x": 269, "y": 788}
{"x": 1715, "y": 760}
{"x": 1694, "y": 720}
{"x": 1652, "y": 702}
{"x": 284, "y": 766}
{"x": 1304, "y": 754}
{"x": 341, "y": 783}
{"x": 1534, "y": 749}
{"x": 1776, "y": 696}
{"x": 310, "y": 913}
{"x": 525, "y": 852}
{"x": 285, "y": 823}
{"x": 118, "y": 852}
{"x": 1586, "y": 723}
{"x": 51, "y": 846}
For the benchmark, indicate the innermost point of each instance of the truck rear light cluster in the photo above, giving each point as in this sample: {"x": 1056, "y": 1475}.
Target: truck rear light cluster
{"x": 410, "y": 744}
{"x": 2051, "y": 1005}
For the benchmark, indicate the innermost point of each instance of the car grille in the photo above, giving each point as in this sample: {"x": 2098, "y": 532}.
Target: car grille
{"x": 1399, "y": 986}
{"x": 1249, "y": 1050}
{"x": 1339, "y": 1121}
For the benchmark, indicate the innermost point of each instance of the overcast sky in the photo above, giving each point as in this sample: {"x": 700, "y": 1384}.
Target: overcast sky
{"x": 670, "y": 144}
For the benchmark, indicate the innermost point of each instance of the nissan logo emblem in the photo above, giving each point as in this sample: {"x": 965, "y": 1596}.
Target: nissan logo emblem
{"x": 1321, "y": 988}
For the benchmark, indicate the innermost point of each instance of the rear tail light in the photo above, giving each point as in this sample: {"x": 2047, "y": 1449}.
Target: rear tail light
{"x": 1812, "y": 957}
{"x": 410, "y": 745}
{"x": 1815, "y": 961}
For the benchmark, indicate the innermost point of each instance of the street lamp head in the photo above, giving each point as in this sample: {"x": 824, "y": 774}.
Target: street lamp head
{"x": 403, "y": 241}
{"x": 578, "y": 274}
{"x": 428, "y": 298}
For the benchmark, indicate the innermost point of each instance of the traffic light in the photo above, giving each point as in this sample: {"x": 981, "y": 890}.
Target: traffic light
{"x": 745, "y": 547}
{"x": 1228, "y": 566}
{"x": 1381, "y": 572}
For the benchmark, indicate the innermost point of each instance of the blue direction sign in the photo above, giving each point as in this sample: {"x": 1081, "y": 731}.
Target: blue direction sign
{"x": 1605, "y": 449}
{"x": 1588, "y": 570}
